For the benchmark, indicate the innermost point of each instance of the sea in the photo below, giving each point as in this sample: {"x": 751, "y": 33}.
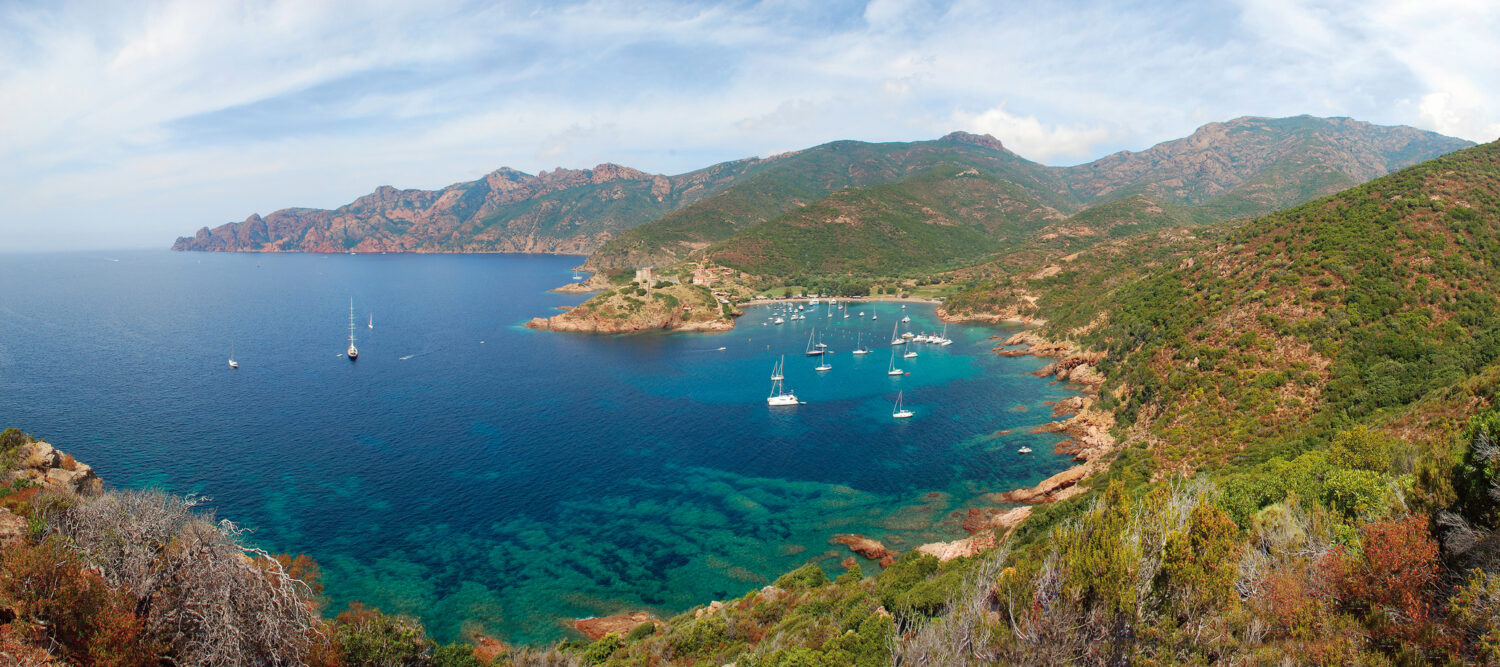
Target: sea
{"x": 490, "y": 478}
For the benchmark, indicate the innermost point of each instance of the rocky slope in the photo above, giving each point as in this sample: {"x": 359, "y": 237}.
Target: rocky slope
{"x": 568, "y": 211}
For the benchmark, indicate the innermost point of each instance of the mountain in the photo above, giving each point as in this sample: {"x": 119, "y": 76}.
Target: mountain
{"x": 506, "y": 211}
{"x": 1247, "y": 166}
{"x": 627, "y": 218}
{"x": 802, "y": 178}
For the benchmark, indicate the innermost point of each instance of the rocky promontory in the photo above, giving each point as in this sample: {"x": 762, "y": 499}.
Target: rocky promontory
{"x": 638, "y": 307}
{"x": 38, "y": 468}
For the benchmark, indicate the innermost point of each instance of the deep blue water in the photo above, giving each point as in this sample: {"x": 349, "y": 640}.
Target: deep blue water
{"x": 485, "y": 476}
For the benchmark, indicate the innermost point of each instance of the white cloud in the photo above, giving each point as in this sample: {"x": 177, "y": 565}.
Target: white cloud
{"x": 1033, "y": 139}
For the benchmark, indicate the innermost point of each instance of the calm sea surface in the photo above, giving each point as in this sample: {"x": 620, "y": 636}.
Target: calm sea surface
{"x": 483, "y": 476}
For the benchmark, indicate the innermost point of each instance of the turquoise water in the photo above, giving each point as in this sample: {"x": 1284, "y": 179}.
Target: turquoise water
{"x": 484, "y": 476}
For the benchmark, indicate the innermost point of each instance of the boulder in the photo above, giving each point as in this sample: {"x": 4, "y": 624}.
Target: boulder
{"x": 864, "y": 546}
{"x": 621, "y": 624}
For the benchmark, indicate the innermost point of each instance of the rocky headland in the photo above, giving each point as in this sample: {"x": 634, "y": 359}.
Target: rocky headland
{"x": 37, "y": 468}
{"x": 637, "y": 308}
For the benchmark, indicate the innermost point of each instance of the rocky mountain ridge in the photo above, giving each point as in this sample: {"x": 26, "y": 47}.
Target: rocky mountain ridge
{"x": 626, "y": 217}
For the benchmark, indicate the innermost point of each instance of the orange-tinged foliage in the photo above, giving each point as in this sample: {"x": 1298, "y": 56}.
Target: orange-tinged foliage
{"x": 1393, "y": 580}
{"x": 45, "y": 584}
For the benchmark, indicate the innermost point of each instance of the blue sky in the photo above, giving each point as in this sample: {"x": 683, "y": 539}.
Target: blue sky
{"x": 128, "y": 124}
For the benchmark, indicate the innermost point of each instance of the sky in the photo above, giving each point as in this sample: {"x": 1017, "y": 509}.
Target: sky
{"x": 125, "y": 125}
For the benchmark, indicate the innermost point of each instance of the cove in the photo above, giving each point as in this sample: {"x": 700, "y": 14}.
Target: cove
{"x": 487, "y": 477}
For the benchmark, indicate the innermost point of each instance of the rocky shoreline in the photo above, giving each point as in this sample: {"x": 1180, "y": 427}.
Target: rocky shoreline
{"x": 593, "y": 325}
{"x": 1088, "y": 430}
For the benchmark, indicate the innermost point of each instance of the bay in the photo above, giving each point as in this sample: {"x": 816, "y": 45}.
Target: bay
{"x": 486, "y": 477}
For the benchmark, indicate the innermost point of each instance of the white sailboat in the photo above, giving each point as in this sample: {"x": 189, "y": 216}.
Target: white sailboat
{"x": 894, "y": 370}
{"x": 813, "y": 351}
{"x": 232, "y": 363}
{"x": 372, "y": 320}
{"x": 906, "y": 319}
{"x": 898, "y": 412}
{"x": 859, "y": 347}
{"x": 777, "y": 374}
{"x": 781, "y": 396}
{"x": 896, "y": 340}
{"x": 825, "y": 366}
{"x": 910, "y": 353}
{"x": 353, "y": 351}
{"x": 944, "y": 339}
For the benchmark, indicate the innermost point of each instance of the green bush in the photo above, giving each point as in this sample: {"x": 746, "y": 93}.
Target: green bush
{"x": 807, "y": 576}
{"x": 368, "y": 638}
{"x": 602, "y": 648}
{"x": 453, "y": 655}
{"x": 701, "y": 637}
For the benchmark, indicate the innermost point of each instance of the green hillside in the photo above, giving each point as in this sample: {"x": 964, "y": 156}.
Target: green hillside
{"x": 936, "y": 220}
{"x": 802, "y": 178}
{"x": 1245, "y": 167}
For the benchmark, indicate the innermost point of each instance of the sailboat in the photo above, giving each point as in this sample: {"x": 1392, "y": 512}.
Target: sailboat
{"x": 906, "y": 319}
{"x": 894, "y": 370}
{"x": 859, "y": 348}
{"x": 898, "y": 412}
{"x": 813, "y": 351}
{"x": 896, "y": 340}
{"x": 825, "y": 366}
{"x": 910, "y": 353}
{"x": 776, "y": 373}
{"x": 780, "y": 396}
{"x": 232, "y": 363}
{"x": 353, "y": 351}
{"x": 372, "y": 320}
{"x": 944, "y": 339}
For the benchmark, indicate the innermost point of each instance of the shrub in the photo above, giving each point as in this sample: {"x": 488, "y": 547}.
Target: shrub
{"x": 1355, "y": 492}
{"x": 701, "y": 637}
{"x": 47, "y": 585}
{"x": 1200, "y": 562}
{"x": 807, "y": 576}
{"x": 367, "y": 638}
{"x": 1392, "y": 580}
{"x": 203, "y": 594}
{"x": 641, "y": 631}
{"x": 12, "y": 438}
{"x": 453, "y": 655}
{"x": 1362, "y": 448}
